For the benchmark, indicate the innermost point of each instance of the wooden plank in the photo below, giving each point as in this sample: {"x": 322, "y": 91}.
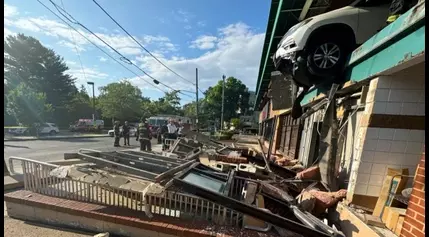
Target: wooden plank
{"x": 373, "y": 220}
{"x": 351, "y": 224}
{"x": 387, "y": 188}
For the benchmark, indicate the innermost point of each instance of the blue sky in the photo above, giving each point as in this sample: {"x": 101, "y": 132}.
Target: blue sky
{"x": 219, "y": 37}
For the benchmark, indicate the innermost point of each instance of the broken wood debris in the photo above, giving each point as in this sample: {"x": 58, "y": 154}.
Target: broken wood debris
{"x": 269, "y": 193}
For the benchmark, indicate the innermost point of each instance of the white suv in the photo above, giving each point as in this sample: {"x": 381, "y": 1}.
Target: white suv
{"x": 318, "y": 47}
{"x": 48, "y": 128}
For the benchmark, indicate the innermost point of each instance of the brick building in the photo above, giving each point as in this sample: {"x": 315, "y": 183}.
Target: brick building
{"x": 414, "y": 223}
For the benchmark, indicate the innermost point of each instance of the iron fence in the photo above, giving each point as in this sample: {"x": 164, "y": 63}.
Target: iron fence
{"x": 37, "y": 178}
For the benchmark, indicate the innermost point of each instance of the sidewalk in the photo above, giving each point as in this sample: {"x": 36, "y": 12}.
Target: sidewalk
{"x": 57, "y": 137}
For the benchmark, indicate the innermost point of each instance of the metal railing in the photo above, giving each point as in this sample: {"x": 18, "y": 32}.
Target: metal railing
{"x": 168, "y": 143}
{"x": 37, "y": 178}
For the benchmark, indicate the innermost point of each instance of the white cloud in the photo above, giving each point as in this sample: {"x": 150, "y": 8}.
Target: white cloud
{"x": 188, "y": 27}
{"x": 75, "y": 47}
{"x": 87, "y": 74}
{"x": 7, "y": 32}
{"x": 103, "y": 59}
{"x": 236, "y": 52}
{"x": 204, "y": 42}
{"x": 10, "y": 11}
{"x": 119, "y": 41}
{"x": 183, "y": 16}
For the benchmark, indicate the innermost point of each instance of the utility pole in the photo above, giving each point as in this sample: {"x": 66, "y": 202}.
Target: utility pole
{"x": 93, "y": 99}
{"x": 196, "y": 94}
{"x": 223, "y": 99}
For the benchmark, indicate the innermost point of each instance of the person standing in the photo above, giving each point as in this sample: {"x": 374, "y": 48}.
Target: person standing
{"x": 144, "y": 136}
{"x": 164, "y": 132}
{"x": 171, "y": 132}
{"x": 126, "y": 133}
{"x": 159, "y": 135}
{"x": 117, "y": 134}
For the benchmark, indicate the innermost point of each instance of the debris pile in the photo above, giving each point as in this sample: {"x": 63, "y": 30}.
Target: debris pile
{"x": 225, "y": 185}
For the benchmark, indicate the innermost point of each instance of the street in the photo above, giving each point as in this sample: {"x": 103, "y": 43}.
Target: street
{"x": 43, "y": 150}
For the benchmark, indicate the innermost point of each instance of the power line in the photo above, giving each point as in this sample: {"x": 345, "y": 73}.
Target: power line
{"x": 94, "y": 44}
{"x": 147, "y": 51}
{"x": 75, "y": 47}
{"x": 153, "y": 56}
{"x": 123, "y": 58}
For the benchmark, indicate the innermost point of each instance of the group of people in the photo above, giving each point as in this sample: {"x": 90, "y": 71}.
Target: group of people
{"x": 143, "y": 134}
{"x": 169, "y": 130}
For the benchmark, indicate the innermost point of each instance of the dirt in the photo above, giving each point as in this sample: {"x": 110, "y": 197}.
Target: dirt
{"x": 14, "y": 227}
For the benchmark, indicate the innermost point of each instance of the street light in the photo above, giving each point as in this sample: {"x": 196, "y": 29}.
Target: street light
{"x": 223, "y": 99}
{"x": 93, "y": 98}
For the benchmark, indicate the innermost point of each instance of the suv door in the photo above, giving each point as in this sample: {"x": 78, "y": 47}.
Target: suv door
{"x": 372, "y": 18}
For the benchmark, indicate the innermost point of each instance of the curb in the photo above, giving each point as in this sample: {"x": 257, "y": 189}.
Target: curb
{"x": 13, "y": 182}
{"x": 52, "y": 138}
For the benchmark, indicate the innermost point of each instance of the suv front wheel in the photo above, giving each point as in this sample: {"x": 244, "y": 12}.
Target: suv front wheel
{"x": 327, "y": 55}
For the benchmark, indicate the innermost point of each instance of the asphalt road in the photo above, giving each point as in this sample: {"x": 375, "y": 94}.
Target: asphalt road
{"x": 43, "y": 150}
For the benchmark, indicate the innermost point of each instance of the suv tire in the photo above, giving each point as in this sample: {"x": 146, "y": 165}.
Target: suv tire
{"x": 52, "y": 133}
{"x": 327, "y": 54}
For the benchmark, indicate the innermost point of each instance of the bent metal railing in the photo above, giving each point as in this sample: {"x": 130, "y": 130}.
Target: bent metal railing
{"x": 37, "y": 178}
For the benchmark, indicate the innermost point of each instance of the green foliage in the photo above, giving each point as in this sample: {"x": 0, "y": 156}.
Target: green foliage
{"x": 120, "y": 101}
{"x": 80, "y": 105}
{"x": 236, "y": 99}
{"x": 27, "y": 106}
{"x": 28, "y": 62}
{"x": 235, "y": 122}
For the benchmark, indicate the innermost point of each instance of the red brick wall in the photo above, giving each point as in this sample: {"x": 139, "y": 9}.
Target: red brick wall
{"x": 414, "y": 223}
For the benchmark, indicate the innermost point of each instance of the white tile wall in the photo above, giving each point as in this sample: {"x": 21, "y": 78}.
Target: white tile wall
{"x": 387, "y": 148}
{"x": 382, "y": 148}
{"x": 401, "y": 94}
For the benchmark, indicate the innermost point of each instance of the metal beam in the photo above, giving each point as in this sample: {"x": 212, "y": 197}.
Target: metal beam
{"x": 305, "y": 10}
{"x": 173, "y": 171}
{"x": 249, "y": 210}
{"x": 154, "y": 156}
{"x": 149, "y": 159}
{"x": 113, "y": 165}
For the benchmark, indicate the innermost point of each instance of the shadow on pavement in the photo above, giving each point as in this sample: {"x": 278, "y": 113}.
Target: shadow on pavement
{"x": 77, "y": 140}
{"x": 26, "y": 147}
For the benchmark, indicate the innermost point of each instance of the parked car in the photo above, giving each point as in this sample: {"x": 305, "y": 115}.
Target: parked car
{"x": 48, "y": 128}
{"x": 44, "y": 128}
{"x": 317, "y": 48}
{"x": 133, "y": 131}
{"x": 18, "y": 131}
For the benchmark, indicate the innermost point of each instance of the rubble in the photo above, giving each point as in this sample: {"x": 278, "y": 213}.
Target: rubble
{"x": 310, "y": 173}
{"x": 316, "y": 201}
{"x": 265, "y": 190}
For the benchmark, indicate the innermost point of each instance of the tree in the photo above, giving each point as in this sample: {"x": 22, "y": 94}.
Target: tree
{"x": 236, "y": 99}
{"x": 27, "y": 106}
{"x": 27, "y": 61}
{"x": 80, "y": 105}
{"x": 121, "y": 100}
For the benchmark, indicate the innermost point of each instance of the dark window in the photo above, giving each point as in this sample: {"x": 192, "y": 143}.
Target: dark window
{"x": 289, "y": 136}
{"x": 267, "y": 129}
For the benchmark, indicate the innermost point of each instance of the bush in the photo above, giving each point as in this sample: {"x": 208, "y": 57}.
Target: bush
{"x": 223, "y": 135}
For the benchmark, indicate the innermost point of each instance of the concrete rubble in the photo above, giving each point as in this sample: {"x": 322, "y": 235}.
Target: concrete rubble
{"x": 273, "y": 193}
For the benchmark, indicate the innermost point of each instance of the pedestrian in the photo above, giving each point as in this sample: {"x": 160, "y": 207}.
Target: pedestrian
{"x": 144, "y": 136}
{"x": 180, "y": 129}
{"x": 117, "y": 134}
{"x": 171, "y": 133}
{"x": 126, "y": 133}
{"x": 164, "y": 132}
{"x": 159, "y": 135}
